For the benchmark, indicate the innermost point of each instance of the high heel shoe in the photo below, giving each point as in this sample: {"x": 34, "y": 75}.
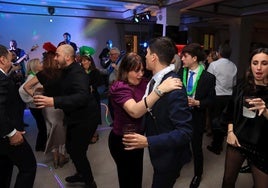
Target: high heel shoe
{"x": 63, "y": 161}
{"x": 56, "y": 163}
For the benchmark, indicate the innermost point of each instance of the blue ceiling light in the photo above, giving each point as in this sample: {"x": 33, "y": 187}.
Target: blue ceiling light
{"x": 148, "y": 15}
{"x": 145, "y": 44}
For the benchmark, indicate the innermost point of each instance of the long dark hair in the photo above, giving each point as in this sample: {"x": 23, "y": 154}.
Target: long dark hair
{"x": 130, "y": 62}
{"x": 50, "y": 68}
{"x": 249, "y": 74}
{"x": 90, "y": 58}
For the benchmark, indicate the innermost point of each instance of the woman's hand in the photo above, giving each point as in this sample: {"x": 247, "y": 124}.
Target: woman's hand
{"x": 170, "y": 84}
{"x": 134, "y": 141}
{"x": 232, "y": 139}
{"x": 259, "y": 105}
{"x": 42, "y": 101}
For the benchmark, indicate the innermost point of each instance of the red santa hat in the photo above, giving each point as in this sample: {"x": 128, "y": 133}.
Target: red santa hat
{"x": 49, "y": 47}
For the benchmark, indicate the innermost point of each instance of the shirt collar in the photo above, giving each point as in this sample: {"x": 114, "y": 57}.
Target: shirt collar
{"x": 3, "y": 71}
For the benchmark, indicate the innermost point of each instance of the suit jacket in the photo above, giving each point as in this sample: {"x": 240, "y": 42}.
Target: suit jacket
{"x": 169, "y": 134}
{"x": 9, "y": 103}
{"x": 78, "y": 104}
{"x": 205, "y": 93}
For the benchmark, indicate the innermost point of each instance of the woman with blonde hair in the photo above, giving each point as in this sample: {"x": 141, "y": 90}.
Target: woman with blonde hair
{"x": 33, "y": 67}
{"x": 49, "y": 77}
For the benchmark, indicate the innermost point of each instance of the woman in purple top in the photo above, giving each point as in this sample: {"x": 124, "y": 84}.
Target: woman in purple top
{"x": 126, "y": 97}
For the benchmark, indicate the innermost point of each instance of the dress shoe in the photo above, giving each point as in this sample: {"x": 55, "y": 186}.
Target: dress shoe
{"x": 195, "y": 182}
{"x": 75, "y": 178}
{"x": 245, "y": 169}
{"x": 214, "y": 150}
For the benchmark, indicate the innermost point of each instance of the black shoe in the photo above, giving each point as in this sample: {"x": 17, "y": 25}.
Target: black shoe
{"x": 214, "y": 150}
{"x": 75, "y": 178}
{"x": 195, "y": 182}
{"x": 245, "y": 169}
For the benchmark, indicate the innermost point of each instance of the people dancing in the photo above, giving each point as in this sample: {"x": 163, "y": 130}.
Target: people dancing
{"x": 33, "y": 67}
{"x": 126, "y": 99}
{"x": 49, "y": 77}
{"x": 80, "y": 114}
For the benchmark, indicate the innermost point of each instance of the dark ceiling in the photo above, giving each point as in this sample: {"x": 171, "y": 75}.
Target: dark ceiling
{"x": 190, "y": 11}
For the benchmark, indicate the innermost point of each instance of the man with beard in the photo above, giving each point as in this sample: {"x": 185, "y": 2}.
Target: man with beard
{"x": 79, "y": 108}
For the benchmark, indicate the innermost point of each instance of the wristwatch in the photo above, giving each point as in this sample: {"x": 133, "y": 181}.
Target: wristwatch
{"x": 159, "y": 92}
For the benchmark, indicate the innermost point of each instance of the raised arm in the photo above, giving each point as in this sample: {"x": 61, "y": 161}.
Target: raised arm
{"x": 138, "y": 109}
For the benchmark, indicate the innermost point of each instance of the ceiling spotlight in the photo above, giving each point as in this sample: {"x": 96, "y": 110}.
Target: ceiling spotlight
{"x": 148, "y": 15}
{"x": 136, "y": 18}
{"x": 141, "y": 17}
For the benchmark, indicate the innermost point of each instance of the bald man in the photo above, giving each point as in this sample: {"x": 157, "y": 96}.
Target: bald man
{"x": 80, "y": 115}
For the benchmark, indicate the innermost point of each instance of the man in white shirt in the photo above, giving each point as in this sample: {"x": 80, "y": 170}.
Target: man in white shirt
{"x": 225, "y": 72}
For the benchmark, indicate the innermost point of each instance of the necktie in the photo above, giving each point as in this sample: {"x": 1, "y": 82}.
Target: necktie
{"x": 151, "y": 86}
{"x": 190, "y": 82}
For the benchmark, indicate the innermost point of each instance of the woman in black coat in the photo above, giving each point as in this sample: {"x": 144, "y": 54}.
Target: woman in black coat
{"x": 95, "y": 80}
{"x": 248, "y": 124}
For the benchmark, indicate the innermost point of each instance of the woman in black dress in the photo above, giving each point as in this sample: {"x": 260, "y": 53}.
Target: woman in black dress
{"x": 247, "y": 135}
{"x": 95, "y": 79}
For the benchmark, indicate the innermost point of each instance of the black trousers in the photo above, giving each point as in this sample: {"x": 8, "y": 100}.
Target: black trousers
{"x": 42, "y": 129}
{"x": 198, "y": 123}
{"x": 129, "y": 163}
{"x": 23, "y": 158}
{"x": 218, "y": 127}
{"x": 77, "y": 140}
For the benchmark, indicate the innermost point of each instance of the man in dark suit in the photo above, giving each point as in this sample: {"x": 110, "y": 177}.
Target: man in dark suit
{"x": 201, "y": 94}
{"x": 168, "y": 128}
{"x": 81, "y": 117}
{"x": 14, "y": 149}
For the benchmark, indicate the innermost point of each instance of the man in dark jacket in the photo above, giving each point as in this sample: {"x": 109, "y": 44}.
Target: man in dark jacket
{"x": 168, "y": 127}
{"x": 14, "y": 149}
{"x": 201, "y": 94}
{"x": 79, "y": 108}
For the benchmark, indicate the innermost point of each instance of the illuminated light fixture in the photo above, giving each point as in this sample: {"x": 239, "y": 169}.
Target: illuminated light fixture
{"x": 141, "y": 17}
{"x": 136, "y": 19}
{"x": 145, "y": 45}
{"x": 148, "y": 15}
